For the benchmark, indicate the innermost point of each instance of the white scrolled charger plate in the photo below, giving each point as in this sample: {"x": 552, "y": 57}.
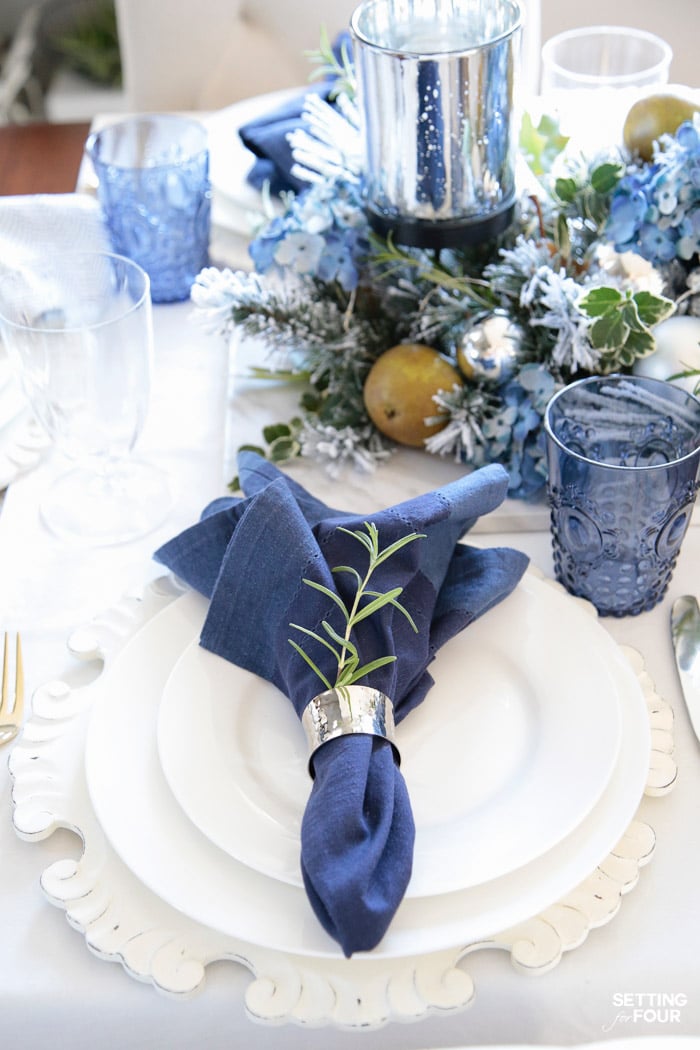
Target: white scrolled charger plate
{"x": 508, "y": 753}
{"x": 166, "y": 852}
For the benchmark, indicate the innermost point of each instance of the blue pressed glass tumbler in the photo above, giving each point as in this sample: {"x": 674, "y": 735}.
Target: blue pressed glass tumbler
{"x": 155, "y": 193}
{"x": 623, "y": 457}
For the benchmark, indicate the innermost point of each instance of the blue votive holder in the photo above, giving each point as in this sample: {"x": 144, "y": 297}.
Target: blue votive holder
{"x": 155, "y": 193}
{"x": 624, "y": 459}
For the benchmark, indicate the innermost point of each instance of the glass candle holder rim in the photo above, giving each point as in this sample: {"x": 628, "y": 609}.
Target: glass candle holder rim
{"x": 99, "y": 134}
{"x": 614, "y": 80}
{"x": 132, "y": 306}
{"x": 646, "y": 381}
{"x": 407, "y": 52}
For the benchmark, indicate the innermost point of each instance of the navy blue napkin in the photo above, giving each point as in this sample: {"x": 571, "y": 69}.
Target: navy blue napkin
{"x": 250, "y": 557}
{"x": 267, "y": 136}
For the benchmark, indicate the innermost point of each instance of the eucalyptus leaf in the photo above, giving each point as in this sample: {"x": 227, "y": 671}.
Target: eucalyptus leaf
{"x": 563, "y": 237}
{"x": 653, "y": 308}
{"x": 605, "y": 178}
{"x": 541, "y": 145}
{"x": 630, "y": 316}
{"x": 253, "y": 448}
{"x": 276, "y": 430}
{"x": 565, "y": 189}
{"x": 283, "y": 449}
{"x": 609, "y": 332}
{"x": 638, "y": 344}
{"x": 600, "y": 301}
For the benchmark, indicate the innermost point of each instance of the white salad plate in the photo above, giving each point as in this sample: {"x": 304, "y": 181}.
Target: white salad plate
{"x": 152, "y": 836}
{"x": 511, "y": 749}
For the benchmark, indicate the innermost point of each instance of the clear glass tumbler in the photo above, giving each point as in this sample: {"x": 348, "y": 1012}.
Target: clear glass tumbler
{"x": 78, "y": 328}
{"x": 594, "y": 74}
{"x": 624, "y": 465}
{"x": 155, "y": 192}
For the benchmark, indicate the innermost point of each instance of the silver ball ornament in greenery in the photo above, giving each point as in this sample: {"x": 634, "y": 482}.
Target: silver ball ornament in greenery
{"x": 489, "y": 348}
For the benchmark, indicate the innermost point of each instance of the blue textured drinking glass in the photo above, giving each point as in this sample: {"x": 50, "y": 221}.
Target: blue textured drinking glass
{"x": 155, "y": 193}
{"x": 624, "y": 460}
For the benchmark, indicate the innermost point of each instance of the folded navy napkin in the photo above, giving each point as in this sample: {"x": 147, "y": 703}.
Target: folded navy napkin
{"x": 267, "y": 136}
{"x": 250, "y": 556}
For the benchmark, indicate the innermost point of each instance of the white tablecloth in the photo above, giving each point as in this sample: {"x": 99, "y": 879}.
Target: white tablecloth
{"x": 54, "y": 992}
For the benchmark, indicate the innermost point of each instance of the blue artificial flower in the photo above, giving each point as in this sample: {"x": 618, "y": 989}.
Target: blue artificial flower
{"x": 655, "y": 243}
{"x": 262, "y": 249}
{"x": 300, "y": 252}
{"x": 627, "y": 211}
{"x": 338, "y": 262}
{"x": 323, "y": 234}
{"x": 654, "y": 209}
{"x": 689, "y": 240}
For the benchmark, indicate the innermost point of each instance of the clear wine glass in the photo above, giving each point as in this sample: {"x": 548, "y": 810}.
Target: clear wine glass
{"x": 78, "y": 328}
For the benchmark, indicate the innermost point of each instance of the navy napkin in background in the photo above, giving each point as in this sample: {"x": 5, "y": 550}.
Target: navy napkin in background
{"x": 267, "y": 136}
{"x": 250, "y": 557}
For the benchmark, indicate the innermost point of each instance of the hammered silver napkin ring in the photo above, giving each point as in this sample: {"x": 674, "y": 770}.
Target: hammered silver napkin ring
{"x": 344, "y": 710}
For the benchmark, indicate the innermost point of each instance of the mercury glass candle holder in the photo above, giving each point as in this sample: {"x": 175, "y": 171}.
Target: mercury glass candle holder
{"x": 436, "y": 81}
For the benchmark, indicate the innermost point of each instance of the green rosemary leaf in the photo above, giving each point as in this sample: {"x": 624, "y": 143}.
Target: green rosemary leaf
{"x": 310, "y": 662}
{"x": 373, "y": 533}
{"x": 344, "y": 649}
{"x": 378, "y": 603}
{"x": 401, "y": 608}
{"x": 329, "y": 594}
{"x": 317, "y": 638}
{"x": 349, "y": 568}
{"x": 332, "y": 633}
{"x": 366, "y": 669}
{"x": 394, "y": 547}
{"x": 364, "y": 540}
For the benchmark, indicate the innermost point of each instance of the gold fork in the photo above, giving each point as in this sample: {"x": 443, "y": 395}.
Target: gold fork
{"x": 11, "y": 700}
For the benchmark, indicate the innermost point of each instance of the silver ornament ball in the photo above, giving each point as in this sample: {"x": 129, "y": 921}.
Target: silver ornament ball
{"x": 489, "y": 348}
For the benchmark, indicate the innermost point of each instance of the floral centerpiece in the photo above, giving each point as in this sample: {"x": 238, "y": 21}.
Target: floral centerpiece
{"x": 602, "y": 250}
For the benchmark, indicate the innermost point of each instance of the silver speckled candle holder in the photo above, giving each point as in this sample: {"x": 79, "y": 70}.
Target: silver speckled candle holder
{"x": 436, "y": 83}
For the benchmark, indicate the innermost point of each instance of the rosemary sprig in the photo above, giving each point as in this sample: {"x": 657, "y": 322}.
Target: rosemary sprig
{"x": 391, "y": 259}
{"x": 340, "y": 69}
{"x": 344, "y": 650}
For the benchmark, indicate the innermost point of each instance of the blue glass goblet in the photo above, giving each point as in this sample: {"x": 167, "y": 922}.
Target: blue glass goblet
{"x": 624, "y": 460}
{"x": 155, "y": 192}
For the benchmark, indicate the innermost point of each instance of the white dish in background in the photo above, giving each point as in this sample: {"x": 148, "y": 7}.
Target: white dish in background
{"x": 163, "y": 849}
{"x": 513, "y": 746}
{"x": 234, "y": 199}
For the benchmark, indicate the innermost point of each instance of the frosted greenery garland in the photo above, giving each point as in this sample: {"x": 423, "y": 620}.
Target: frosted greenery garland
{"x": 329, "y": 297}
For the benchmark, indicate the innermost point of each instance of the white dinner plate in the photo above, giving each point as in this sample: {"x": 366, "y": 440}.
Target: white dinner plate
{"x": 512, "y": 747}
{"x": 165, "y": 851}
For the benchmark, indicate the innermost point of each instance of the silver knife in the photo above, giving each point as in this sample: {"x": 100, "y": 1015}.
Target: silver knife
{"x": 685, "y": 632}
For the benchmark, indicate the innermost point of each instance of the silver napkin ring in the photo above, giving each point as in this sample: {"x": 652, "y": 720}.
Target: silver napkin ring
{"x": 348, "y": 709}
